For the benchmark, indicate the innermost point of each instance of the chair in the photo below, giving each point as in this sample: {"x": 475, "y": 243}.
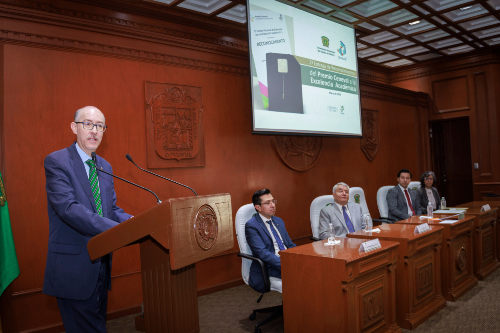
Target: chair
{"x": 357, "y": 195}
{"x": 382, "y": 204}
{"x": 316, "y": 206}
{"x": 244, "y": 214}
{"x": 414, "y": 185}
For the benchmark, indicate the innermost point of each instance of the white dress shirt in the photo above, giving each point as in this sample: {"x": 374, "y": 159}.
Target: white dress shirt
{"x": 404, "y": 195}
{"x": 276, "y": 246}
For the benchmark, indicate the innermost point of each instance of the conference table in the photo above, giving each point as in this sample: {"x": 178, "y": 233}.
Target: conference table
{"x": 484, "y": 241}
{"x": 338, "y": 288}
{"x": 493, "y": 204}
{"x": 418, "y": 273}
{"x": 457, "y": 253}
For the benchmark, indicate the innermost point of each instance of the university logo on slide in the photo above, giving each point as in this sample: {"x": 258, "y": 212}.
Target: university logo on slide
{"x": 326, "y": 41}
{"x": 342, "y": 49}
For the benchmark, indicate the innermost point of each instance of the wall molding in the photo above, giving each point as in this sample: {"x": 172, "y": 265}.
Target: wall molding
{"x": 64, "y": 44}
{"x": 401, "y": 96}
{"x": 444, "y": 66}
{"x": 81, "y": 20}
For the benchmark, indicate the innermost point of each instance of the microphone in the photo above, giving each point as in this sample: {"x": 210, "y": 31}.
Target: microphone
{"x": 170, "y": 180}
{"x": 94, "y": 158}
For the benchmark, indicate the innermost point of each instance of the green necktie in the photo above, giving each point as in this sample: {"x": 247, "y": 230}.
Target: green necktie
{"x": 94, "y": 183}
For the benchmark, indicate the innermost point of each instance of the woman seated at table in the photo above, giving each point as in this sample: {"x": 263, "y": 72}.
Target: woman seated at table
{"x": 428, "y": 192}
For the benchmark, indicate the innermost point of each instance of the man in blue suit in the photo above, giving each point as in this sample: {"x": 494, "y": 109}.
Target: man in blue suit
{"x": 81, "y": 204}
{"x": 266, "y": 235}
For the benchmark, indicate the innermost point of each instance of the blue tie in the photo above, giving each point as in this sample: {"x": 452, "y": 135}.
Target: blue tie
{"x": 347, "y": 220}
{"x": 276, "y": 236}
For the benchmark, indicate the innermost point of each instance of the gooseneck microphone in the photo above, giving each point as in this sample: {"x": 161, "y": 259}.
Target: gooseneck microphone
{"x": 94, "y": 158}
{"x": 170, "y": 180}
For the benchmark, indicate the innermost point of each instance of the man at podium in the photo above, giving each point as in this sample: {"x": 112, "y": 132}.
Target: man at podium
{"x": 81, "y": 204}
{"x": 267, "y": 236}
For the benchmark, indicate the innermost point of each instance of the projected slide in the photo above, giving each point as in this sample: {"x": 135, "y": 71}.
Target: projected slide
{"x": 304, "y": 72}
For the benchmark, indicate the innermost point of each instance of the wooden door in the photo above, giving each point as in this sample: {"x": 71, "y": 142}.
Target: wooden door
{"x": 450, "y": 142}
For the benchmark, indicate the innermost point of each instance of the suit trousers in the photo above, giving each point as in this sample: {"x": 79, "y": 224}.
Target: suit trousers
{"x": 88, "y": 315}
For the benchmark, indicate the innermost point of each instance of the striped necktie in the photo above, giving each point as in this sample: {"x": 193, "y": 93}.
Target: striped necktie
{"x": 347, "y": 220}
{"x": 94, "y": 184}
{"x": 276, "y": 236}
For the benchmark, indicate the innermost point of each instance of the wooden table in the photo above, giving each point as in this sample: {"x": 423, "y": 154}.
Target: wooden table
{"x": 484, "y": 241}
{"x": 339, "y": 289}
{"x": 457, "y": 253}
{"x": 493, "y": 204}
{"x": 418, "y": 273}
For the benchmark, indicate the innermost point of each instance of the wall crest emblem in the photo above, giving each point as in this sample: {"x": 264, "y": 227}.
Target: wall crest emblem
{"x": 298, "y": 152}
{"x": 371, "y": 139}
{"x": 206, "y": 227}
{"x": 175, "y": 127}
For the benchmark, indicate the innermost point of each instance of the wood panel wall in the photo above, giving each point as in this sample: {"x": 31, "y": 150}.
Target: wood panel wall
{"x": 57, "y": 60}
{"x": 468, "y": 86}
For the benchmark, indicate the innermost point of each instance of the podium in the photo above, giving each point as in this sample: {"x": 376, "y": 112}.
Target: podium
{"x": 173, "y": 236}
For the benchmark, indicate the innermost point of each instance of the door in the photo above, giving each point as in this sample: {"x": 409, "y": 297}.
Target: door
{"x": 450, "y": 144}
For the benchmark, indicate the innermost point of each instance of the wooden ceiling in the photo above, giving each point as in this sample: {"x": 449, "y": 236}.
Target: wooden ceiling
{"x": 390, "y": 33}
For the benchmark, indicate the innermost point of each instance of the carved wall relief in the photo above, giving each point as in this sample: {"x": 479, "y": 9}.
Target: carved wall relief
{"x": 174, "y": 118}
{"x": 298, "y": 152}
{"x": 371, "y": 139}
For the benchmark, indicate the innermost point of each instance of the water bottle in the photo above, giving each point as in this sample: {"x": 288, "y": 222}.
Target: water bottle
{"x": 443, "y": 203}
{"x": 430, "y": 213}
{"x": 331, "y": 234}
{"x": 368, "y": 223}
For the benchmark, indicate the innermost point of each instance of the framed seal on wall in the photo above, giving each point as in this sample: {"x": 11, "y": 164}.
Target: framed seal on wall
{"x": 174, "y": 121}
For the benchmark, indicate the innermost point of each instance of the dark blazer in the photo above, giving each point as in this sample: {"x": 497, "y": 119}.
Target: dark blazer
{"x": 262, "y": 246}
{"x": 73, "y": 220}
{"x": 396, "y": 202}
{"x": 424, "y": 200}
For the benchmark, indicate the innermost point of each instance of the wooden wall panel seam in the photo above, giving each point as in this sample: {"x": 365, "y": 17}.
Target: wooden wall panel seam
{"x": 56, "y": 43}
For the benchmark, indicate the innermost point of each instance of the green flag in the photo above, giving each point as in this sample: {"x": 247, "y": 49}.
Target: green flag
{"x": 9, "y": 268}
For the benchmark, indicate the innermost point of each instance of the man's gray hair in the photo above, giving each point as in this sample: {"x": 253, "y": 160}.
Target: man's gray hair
{"x": 335, "y": 187}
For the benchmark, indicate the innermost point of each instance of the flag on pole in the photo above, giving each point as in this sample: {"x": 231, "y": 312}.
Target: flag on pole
{"x": 9, "y": 268}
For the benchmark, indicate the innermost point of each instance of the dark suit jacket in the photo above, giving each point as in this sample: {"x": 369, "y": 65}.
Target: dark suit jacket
{"x": 424, "y": 200}
{"x": 396, "y": 202}
{"x": 73, "y": 220}
{"x": 262, "y": 246}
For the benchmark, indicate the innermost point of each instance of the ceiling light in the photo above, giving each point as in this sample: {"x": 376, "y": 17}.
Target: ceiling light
{"x": 414, "y": 22}
{"x": 464, "y": 8}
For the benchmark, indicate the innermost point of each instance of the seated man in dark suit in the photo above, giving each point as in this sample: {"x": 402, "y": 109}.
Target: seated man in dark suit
{"x": 345, "y": 216}
{"x": 402, "y": 201}
{"x": 266, "y": 235}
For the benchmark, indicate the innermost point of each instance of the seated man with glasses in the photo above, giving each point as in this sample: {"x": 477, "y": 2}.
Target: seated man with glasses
{"x": 266, "y": 235}
{"x": 81, "y": 204}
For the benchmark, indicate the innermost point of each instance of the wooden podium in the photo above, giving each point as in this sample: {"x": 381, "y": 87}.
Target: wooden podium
{"x": 173, "y": 236}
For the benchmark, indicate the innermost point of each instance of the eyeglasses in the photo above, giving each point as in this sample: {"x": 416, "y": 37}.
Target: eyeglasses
{"x": 429, "y": 178}
{"x": 269, "y": 202}
{"x": 90, "y": 126}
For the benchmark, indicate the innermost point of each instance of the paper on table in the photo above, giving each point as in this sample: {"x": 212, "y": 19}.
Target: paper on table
{"x": 373, "y": 230}
{"x": 448, "y": 221}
